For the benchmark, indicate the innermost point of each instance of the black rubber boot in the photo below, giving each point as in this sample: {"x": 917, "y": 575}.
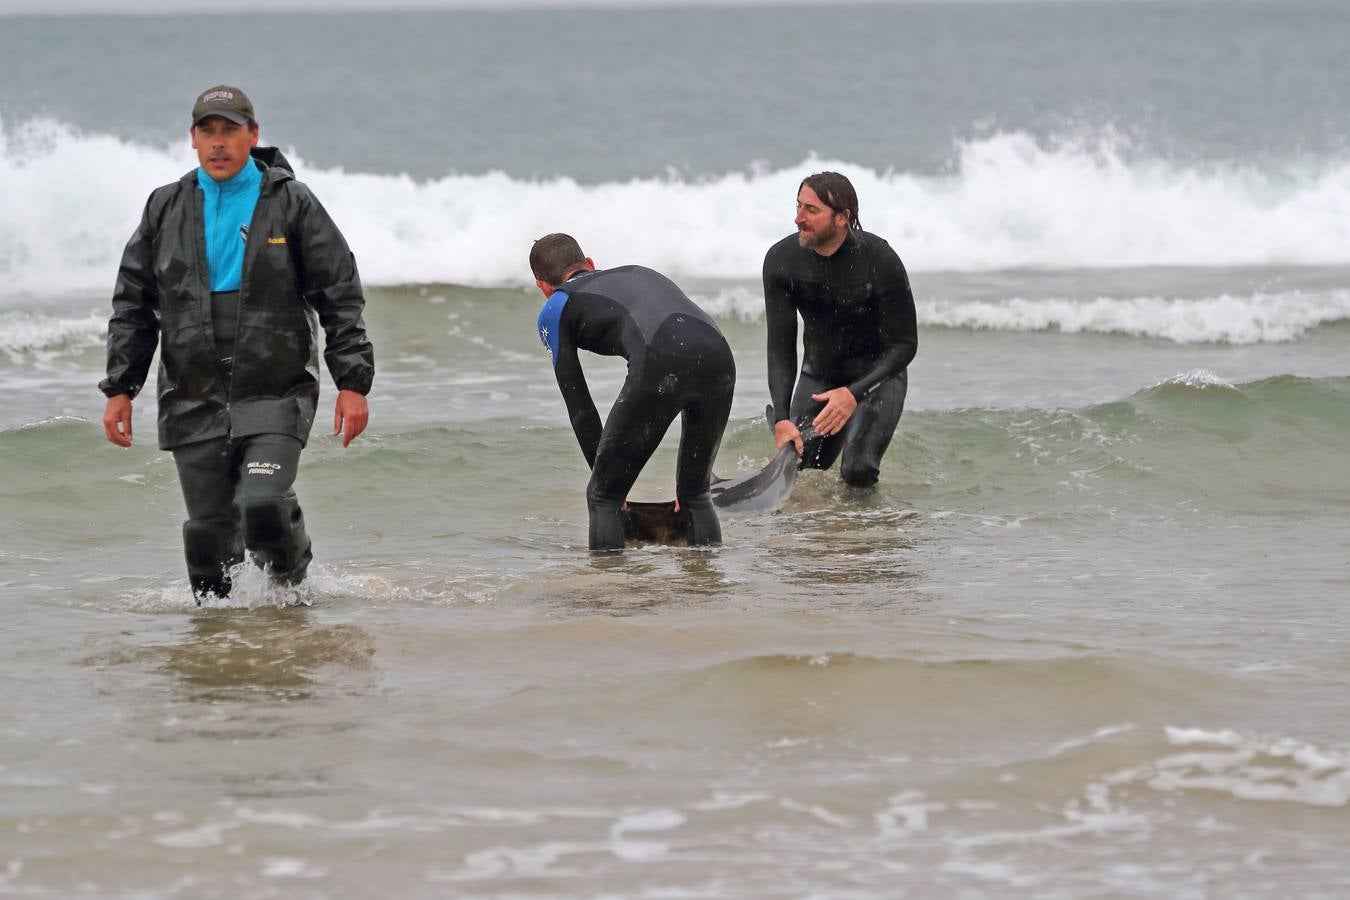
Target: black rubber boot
{"x": 704, "y": 528}
{"x": 274, "y": 532}
{"x": 211, "y": 550}
{"x": 607, "y": 531}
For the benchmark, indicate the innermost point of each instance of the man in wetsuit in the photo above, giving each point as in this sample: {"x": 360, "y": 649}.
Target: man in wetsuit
{"x": 678, "y": 364}
{"x": 229, "y": 266}
{"x": 859, "y": 334}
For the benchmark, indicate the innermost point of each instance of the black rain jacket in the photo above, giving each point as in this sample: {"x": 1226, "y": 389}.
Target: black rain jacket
{"x": 296, "y": 263}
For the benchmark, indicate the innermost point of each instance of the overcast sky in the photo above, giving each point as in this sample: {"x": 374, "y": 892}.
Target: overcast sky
{"x": 144, "y": 6}
{"x": 68, "y": 7}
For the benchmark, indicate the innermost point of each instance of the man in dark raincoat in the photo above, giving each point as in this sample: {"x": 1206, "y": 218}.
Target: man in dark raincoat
{"x": 225, "y": 274}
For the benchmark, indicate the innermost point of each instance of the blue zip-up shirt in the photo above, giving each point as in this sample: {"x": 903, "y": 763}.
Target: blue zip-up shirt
{"x": 227, "y": 209}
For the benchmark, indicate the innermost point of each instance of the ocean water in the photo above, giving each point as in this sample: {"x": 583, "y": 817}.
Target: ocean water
{"x": 1086, "y": 639}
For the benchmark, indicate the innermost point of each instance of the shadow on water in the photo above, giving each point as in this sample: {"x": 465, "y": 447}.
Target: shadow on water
{"x": 832, "y": 548}
{"x": 249, "y": 694}
{"x": 644, "y": 578}
{"x": 258, "y": 655}
{"x": 843, "y": 545}
{"x": 265, "y": 654}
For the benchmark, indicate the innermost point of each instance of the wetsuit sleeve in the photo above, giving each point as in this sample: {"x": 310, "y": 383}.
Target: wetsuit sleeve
{"x": 580, "y": 407}
{"x": 899, "y": 329}
{"x": 330, "y": 284}
{"x": 133, "y": 330}
{"x": 780, "y": 314}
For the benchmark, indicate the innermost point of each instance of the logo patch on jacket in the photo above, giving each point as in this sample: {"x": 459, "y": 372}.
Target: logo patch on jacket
{"x": 277, "y": 240}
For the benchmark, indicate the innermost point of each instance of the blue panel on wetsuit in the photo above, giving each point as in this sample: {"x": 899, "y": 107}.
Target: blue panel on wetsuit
{"x": 549, "y": 318}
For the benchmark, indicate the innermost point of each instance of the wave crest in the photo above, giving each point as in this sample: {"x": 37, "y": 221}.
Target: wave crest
{"x": 20, "y": 332}
{"x": 1009, "y": 200}
{"x": 1228, "y": 319}
{"x": 1224, "y": 319}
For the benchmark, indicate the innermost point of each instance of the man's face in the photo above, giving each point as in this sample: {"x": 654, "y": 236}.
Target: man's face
{"x": 222, "y": 146}
{"x": 817, "y": 224}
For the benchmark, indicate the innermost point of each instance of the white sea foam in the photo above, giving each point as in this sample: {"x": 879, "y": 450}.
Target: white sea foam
{"x": 209, "y": 834}
{"x": 28, "y": 332}
{"x": 1196, "y": 378}
{"x": 1258, "y": 318}
{"x": 1248, "y": 767}
{"x": 1225, "y": 318}
{"x": 289, "y": 867}
{"x": 1251, "y": 319}
{"x": 1007, "y": 200}
{"x": 741, "y": 303}
{"x": 253, "y": 590}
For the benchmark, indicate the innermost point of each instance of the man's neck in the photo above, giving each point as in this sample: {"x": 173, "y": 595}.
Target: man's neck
{"x": 242, "y": 178}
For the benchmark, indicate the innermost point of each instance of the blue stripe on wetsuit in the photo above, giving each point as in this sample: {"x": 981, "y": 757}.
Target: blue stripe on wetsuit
{"x": 550, "y": 318}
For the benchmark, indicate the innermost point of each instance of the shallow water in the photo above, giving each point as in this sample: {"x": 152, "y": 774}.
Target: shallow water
{"x": 1086, "y": 639}
{"x": 1054, "y": 654}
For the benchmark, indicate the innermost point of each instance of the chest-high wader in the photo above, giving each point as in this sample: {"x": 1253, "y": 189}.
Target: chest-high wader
{"x": 225, "y": 324}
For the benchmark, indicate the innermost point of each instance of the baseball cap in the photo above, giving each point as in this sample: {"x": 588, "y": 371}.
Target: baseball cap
{"x": 225, "y": 101}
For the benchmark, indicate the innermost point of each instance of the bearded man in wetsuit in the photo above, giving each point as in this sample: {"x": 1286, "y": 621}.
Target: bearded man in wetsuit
{"x": 679, "y": 364}
{"x": 859, "y": 335}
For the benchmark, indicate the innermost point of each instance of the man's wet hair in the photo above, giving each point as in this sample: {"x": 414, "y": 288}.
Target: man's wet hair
{"x": 554, "y": 255}
{"x": 836, "y": 192}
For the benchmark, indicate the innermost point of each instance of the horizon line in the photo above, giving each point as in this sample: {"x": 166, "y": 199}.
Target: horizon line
{"x": 132, "y": 8}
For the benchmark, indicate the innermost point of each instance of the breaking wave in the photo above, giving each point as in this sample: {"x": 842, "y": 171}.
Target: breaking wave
{"x": 1008, "y": 200}
{"x": 1225, "y": 318}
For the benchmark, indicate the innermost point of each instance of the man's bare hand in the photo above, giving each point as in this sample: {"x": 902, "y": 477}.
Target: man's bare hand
{"x": 839, "y": 405}
{"x": 350, "y": 415}
{"x": 785, "y": 432}
{"x": 117, "y": 420}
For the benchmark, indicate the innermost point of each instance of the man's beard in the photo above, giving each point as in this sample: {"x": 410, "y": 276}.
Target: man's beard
{"x": 820, "y": 237}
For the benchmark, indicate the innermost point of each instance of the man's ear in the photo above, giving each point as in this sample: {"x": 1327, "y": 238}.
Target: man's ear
{"x": 544, "y": 287}
{"x": 590, "y": 264}
{"x": 253, "y": 130}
